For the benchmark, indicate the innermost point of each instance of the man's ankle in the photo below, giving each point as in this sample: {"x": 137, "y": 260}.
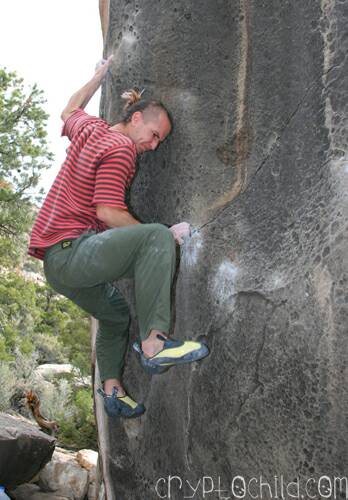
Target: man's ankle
{"x": 110, "y": 383}
{"x": 153, "y": 345}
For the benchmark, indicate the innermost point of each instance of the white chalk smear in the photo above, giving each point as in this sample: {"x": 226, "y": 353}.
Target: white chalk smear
{"x": 129, "y": 39}
{"x": 191, "y": 249}
{"x": 224, "y": 282}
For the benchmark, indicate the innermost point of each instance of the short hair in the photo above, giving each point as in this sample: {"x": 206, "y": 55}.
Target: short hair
{"x": 134, "y": 103}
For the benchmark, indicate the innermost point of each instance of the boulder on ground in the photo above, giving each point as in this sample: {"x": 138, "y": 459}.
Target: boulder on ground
{"x": 51, "y": 370}
{"x": 24, "y": 450}
{"x": 88, "y": 459}
{"x": 64, "y": 476}
{"x": 33, "y": 492}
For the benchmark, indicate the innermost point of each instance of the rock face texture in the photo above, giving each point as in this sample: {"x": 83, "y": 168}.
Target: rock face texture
{"x": 258, "y": 164}
{"x": 24, "y": 450}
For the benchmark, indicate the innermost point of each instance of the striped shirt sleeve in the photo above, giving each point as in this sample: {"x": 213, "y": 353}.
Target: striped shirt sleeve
{"x": 112, "y": 178}
{"x": 77, "y": 121}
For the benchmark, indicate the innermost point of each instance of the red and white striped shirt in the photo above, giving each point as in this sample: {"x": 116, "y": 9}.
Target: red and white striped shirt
{"x": 99, "y": 166}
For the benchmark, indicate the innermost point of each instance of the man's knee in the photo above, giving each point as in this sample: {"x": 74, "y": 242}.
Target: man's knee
{"x": 160, "y": 233}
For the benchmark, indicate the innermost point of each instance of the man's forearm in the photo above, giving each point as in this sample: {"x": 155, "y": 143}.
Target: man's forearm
{"x": 81, "y": 98}
{"x": 115, "y": 217}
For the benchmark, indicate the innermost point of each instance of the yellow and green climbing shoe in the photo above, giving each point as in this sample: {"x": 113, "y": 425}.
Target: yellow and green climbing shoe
{"x": 174, "y": 352}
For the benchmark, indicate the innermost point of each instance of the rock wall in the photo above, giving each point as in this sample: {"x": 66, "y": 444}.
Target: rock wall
{"x": 258, "y": 164}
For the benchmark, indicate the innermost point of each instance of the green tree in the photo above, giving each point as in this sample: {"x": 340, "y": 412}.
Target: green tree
{"x": 34, "y": 318}
{"x": 18, "y": 315}
{"x": 62, "y": 319}
{"x": 24, "y": 154}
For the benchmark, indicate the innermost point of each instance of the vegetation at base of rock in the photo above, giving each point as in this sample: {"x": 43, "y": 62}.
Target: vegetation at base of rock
{"x": 79, "y": 429}
{"x": 35, "y": 319}
{"x": 36, "y": 324}
{"x": 61, "y": 400}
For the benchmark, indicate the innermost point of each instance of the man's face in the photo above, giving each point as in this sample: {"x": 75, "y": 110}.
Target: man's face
{"x": 149, "y": 130}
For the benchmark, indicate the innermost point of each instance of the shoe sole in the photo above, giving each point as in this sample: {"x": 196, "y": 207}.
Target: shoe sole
{"x": 154, "y": 370}
{"x": 119, "y": 415}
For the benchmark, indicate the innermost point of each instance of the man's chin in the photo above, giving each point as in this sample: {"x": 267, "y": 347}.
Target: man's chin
{"x": 141, "y": 150}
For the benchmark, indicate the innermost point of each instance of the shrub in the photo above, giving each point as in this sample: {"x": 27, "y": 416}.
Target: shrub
{"x": 7, "y": 385}
{"x": 80, "y": 430}
{"x": 50, "y": 349}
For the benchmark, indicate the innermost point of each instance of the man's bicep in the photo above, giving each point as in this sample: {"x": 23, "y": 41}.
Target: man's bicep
{"x": 66, "y": 114}
{"x": 75, "y": 121}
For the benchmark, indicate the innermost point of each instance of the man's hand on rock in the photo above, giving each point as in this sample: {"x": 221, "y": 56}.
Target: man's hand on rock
{"x": 180, "y": 231}
{"x": 102, "y": 67}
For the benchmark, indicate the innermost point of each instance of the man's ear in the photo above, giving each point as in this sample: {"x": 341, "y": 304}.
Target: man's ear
{"x": 136, "y": 118}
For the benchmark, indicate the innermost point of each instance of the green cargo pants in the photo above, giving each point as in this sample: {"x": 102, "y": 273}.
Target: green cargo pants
{"x": 84, "y": 268}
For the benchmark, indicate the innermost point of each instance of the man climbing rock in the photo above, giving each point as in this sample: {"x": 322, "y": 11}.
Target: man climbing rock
{"x": 88, "y": 239}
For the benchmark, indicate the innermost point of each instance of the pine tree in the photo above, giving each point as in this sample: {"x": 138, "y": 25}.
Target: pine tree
{"x": 24, "y": 154}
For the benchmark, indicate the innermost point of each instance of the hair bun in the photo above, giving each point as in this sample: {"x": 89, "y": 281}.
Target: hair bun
{"x": 131, "y": 97}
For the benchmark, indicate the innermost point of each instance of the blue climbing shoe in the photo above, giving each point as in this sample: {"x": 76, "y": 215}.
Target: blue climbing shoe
{"x": 174, "y": 352}
{"x": 121, "y": 406}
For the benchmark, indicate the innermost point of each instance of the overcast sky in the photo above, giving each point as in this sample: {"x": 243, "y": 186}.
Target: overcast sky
{"x": 56, "y": 45}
